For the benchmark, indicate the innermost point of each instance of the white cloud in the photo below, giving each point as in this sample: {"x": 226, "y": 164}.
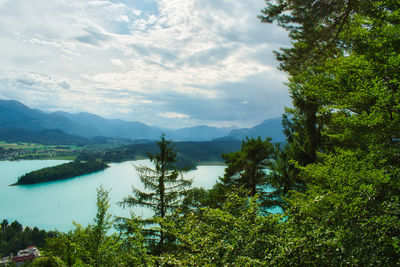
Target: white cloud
{"x": 117, "y": 62}
{"x": 136, "y": 12}
{"x": 98, "y": 3}
{"x": 142, "y": 56}
{"x": 66, "y": 47}
{"x": 123, "y": 18}
{"x": 174, "y": 115}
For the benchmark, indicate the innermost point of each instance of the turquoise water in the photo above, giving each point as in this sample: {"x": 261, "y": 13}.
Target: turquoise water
{"x": 55, "y": 205}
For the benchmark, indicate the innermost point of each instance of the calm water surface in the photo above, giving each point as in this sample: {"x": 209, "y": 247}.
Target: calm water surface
{"x": 55, "y": 205}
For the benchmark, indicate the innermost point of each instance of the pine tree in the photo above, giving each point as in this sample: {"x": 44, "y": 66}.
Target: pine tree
{"x": 165, "y": 187}
{"x": 246, "y": 167}
{"x": 342, "y": 72}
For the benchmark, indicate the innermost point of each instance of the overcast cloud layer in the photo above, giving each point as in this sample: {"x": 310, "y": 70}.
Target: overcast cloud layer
{"x": 170, "y": 63}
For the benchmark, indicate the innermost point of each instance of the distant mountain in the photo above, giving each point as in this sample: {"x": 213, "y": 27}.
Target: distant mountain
{"x": 15, "y": 116}
{"x": 268, "y": 128}
{"x": 111, "y": 127}
{"x": 198, "y": 133}
{"x": 48, "y": 137}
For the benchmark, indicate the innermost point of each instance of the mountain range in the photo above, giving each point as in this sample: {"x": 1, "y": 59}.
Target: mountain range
{"x": 16, "y": 119}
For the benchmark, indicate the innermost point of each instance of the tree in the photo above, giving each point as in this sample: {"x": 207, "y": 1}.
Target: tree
{"x": 234, "y": 235}
{"x": 65, "y": 246}
{"x": 247, "y": 167}
{"x": 314, "y": 27}
{"x": 345, "y": 89}
{"x": 349, "y": 215}
{"x": 342, "y": 79}
{"x": 165, "y": 187}
{"x": 50, "y": 261}
{"x": 89, "y": 245}
{"x": 4, "y": 224}
{"x": 343, "y": 60}
{"x": 100, "y": 244}
{"x": 133, "y": 250}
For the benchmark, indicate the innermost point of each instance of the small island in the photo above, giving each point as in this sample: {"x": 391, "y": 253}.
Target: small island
{"x": 60, "y": 172}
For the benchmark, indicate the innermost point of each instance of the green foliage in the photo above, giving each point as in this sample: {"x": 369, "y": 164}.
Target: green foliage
{"x": 349, "y": 215}
{"x": 47, "y": 262}
{"x": 235, "y": 235}
{"x": 348, "y": 95}
{"x": 247, "y": 167}
{"x": 59, "y": 172}
{"x": 14, "y": 237}
{"x": 165, "y": 188}
{"x": 342, "y": 158}
{"x": 66, "y": 246}
{"x": 314, "y": 27}
{"x": 92, "y": 246}
{"x": 133, "y": 243}
{"x": 101, "y": 246}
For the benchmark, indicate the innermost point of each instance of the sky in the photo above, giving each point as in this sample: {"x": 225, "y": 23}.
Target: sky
{"x": 168, "y": 63}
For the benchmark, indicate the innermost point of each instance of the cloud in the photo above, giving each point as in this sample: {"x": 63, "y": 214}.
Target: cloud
{"x": 93, "y": 36}
{"x": 64, "y": 85}
{"x": 123, "y": 18}
{"x": 116, "y": 62}
{"x": 209, "y": 61}
{"x": 174, "y": 115}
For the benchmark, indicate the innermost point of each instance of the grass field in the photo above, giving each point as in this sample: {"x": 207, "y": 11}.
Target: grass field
{"x": 21, "y": 150}
{"x": 24, "y": 146}
{"x": 33, "y": 146}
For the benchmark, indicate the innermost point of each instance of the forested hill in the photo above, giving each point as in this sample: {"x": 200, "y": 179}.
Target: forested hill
{"x": 189, "y": 155}
{"x": 60, "y": 172}
{"x": 47, "y": 137}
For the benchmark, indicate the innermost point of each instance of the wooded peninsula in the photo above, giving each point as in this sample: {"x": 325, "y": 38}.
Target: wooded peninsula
{"x": 60, "y": 172}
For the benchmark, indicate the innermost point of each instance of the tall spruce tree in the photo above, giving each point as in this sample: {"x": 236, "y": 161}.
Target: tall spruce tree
{"x": 165, "y": 188}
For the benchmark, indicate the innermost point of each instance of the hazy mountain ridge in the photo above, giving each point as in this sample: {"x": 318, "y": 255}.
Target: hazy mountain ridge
{"x": 268, "y": 128}
{"x": 15, "y": 116}
{"x": 112, "y": 127}
{"x": 47, "y": 136}
{"x": 202, "y": 133}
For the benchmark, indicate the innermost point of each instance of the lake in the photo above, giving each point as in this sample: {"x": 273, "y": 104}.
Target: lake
{"x": 55, "y": 205}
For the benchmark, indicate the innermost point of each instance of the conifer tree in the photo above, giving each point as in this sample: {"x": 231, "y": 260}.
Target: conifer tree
{"x": 315, "y": 29}
{"x": 246, "y": 167}
{"x": 165, "y": 187}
